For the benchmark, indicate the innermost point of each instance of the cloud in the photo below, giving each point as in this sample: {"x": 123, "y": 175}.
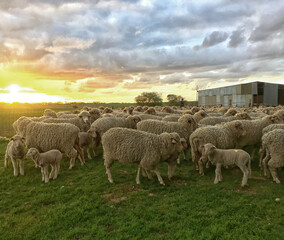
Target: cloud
{"x": 214, "y": 38}
{"x": 237, "y": 37}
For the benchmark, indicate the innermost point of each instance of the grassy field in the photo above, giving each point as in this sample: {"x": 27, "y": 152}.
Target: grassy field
{"x": 82, "y": 204}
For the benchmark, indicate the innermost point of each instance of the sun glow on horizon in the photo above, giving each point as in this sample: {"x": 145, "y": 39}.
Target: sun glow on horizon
{"x": 26, "y": 95}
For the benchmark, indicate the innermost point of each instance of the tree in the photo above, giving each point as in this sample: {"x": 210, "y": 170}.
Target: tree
{"x": 149, "y": 98}
{"x": 174, "y": 99}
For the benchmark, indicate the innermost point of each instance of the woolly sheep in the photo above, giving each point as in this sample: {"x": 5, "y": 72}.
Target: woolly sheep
{"x": 100, "y": 126}
{"x": 47, "y": 136}
{"x": 264, "y": 131}
{"x": 199, "y": 115}
{"x": 167, "y": 109}
{"x": 85, "y": 140}
{"x": 81, "y": 121}
{"x": 145, "y": 149}
{"x": 95, "y": 114}
{"x": 221, "y": 136}
{"x": 273, "y": 143}
{"x": 43, "y": 160}
{"x": 253, "y": 130}
{"x": 230, "y": 112}
{"x": 184, "y": 127}
{"x": 50, "y": 113}
{"x": 150, "y": 110}
{"x": 107, "y": 110}
{"x": 15, "y": 150}
{"x": 227, "y": 158}
{"x": 138, "y": 109}
{"x": 171, "y": 118}
{"x": 148, "y": 116}
{"x": 217, "y": 120}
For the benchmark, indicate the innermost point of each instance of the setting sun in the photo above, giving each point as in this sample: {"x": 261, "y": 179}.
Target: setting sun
{"x": 16, "y": 93}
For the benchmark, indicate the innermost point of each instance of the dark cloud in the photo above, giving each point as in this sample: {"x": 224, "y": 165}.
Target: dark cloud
{"x": 213, "y": 39}
{"x": 148, "y": 42}
{"x": 237, "y": 37}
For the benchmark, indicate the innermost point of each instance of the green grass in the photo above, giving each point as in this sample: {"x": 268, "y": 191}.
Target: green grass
{"x": 82, "y": 204}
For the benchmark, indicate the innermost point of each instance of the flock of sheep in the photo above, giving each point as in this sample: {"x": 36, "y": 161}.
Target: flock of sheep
{"x": 151, "y": 135}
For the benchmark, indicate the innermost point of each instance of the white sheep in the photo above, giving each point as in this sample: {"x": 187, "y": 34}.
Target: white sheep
{"x": 222, "y": 136}
{"x": 85, "y": 139}
{"x": 47, "y": 136}
{"x": 100, "y": 126}
{"x": 43, "y": 160}
{"x": 228, "y": 158}
{"x": 273, "y": 143}
{"x": 15, "y": 150}
{"x": 132, "y": 146}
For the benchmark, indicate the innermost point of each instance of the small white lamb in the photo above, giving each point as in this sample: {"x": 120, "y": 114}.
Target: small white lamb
{"x": 43, "y": 160}
{"x": 16, "y": 150}
{"x": 227, "y": 158}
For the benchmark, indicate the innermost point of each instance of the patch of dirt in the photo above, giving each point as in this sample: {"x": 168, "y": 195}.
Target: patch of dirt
{"x": 179, "y": 182}
{"x": 116, "y": 200}
{"x": 245, "y": 190}
{"x": 114, "y": 196}
{"x": 122, "y": 171}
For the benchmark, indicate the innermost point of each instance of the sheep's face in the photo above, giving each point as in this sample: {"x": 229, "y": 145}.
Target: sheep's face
{"x": 176, "y": 141}
{"x": 18, "y": 142}
{"x": 31, "y": 153}
{"x": 208, "y": 148}
{"x": 92, "y": 133}
{"x": 236, "y": 128}
{"x": 85, "y": 116}
{"x": 184, "y": 144}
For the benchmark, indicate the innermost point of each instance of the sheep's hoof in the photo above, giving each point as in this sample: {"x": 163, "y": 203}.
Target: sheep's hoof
{"x": 277, "y": 180}
{"x": 138, "y": 182}
{"x": 111, "y": 181}
{"x": 216, "y": 181}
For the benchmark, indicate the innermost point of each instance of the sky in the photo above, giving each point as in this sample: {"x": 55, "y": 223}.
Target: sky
{"x": 112, "y": 51}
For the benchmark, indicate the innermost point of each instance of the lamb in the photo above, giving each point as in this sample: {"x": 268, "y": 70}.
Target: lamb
{"x": 222, "y": 136}
{"x": 145, "y": 149}
{"x": 273, "y": 143}
{"x": 227, "y": 158}
{"x": 85, "y": 140}
{"x": 81, "y": 121}
{"x": 100, "y": 126}
{"x": 43, "y": 160}
{"x": 48, "y": 136}
{"x": 16, "y": 150}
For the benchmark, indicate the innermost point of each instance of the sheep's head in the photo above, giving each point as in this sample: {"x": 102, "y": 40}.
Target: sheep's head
{"x": 244, "y": 116}
{"x": 208, "y": 149}
{"x": 18, "y": 142}
{"x": 272, "y": 118}
{"x": 31, "y": 154}
{"x": 184, "y": 144}
{"x": 236, "y": 127}
{"x": 85, "y": 116}
{"x": 188, "y": 119}
{"x": 92, "y": 133}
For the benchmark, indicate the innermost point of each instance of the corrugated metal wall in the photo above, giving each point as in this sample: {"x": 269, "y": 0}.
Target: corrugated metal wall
{"x": 270, "y": 94}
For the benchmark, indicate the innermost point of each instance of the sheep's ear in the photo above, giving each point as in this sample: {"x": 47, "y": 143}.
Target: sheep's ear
{"x": 202, "y": 146}
{"x": 11, "y": 139}
{"x": 23, "y": 139}
{"x": 174, "y": 141}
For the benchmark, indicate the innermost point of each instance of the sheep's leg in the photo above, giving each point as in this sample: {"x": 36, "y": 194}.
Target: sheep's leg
{"x": 264, "y": 164}
{"x": 55, "y": 171}
{"x": 184, "y": 155}
{"x": 72, "y": 156}
{"x": 178, "y": 160}
{"x": 147, "y": 173}
{"x": 200, "y": 166}
{"x": 108, "y": 163}
{"x": 261, "y": 154}
{"x": 51, "y": 175}
{"x": 218, "y": 173}
{"x": 42, "y": 173}
{"x": 144, "y": 172}
{"x": 88, "y": 153}
{"x": 159, "y": 176}
{"x": 245, "y": 175}
{"x": 208, "y": 164}
{"x": 6, "y": 160}
{"x": 22, "y": 172}
{"x": 15, "y": 166}
{"x": 274, "y": 174}
{"x": 171, "y": 169}
{"x": 253, "y": 153}
{"x": 96, "y": 142}
{"x": 138, "y": 175}
{"x": 45, "y": 170}
{"x": 80, "y": 154}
